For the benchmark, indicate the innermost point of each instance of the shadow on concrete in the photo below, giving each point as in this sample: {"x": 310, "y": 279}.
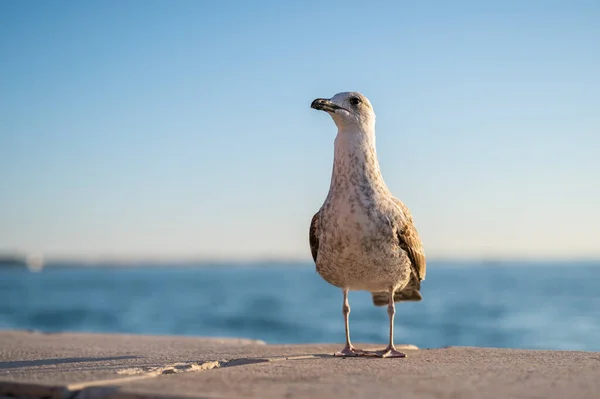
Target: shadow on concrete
{"x": 243, "y": 362}
{"x": 50, "y": 362}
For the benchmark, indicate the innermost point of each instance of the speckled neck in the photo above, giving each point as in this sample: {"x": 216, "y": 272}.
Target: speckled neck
{"x": 355, "y": 164}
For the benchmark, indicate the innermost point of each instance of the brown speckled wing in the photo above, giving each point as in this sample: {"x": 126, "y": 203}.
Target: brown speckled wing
{"x": 313, "y": 235}
{"x": 411, "y": 243}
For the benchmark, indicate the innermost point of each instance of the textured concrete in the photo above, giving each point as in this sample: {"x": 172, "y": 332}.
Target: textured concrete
{"x": 34, "y": 364}
{"x": 80, "y": 366}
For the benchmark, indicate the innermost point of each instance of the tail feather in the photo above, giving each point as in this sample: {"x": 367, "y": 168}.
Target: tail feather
{"x": 411, "y": 294}
{"x": 414, "y": 295}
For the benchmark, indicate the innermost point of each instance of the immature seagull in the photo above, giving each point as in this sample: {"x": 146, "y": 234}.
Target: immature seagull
{"x": 363, "y": 238}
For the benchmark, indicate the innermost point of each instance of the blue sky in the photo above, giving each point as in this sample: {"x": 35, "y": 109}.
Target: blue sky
{"x": 182, "y": 129}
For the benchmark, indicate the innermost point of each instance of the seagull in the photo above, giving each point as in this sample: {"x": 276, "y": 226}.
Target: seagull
{"x": 362, "y": 237}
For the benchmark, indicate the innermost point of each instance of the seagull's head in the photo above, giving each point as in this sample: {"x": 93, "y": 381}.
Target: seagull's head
{"x": 349, "y": 110}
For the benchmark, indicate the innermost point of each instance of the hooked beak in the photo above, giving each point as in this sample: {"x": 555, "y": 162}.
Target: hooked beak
{"x": 323, "y": 104}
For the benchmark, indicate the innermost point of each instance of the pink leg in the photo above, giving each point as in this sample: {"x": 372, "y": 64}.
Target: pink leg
{"x": 348, "y": 350}
{"x": 390, "y": 351}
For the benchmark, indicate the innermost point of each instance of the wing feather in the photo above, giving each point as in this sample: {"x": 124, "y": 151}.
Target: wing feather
{"x": 411, "y": 243}
{"x": 313, "y": 235}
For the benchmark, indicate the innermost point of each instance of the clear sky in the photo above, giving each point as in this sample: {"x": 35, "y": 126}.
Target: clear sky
{"x": 182, "y": 129}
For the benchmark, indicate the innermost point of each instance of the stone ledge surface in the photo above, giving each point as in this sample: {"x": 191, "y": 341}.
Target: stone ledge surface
{"x": 99, "y": 366}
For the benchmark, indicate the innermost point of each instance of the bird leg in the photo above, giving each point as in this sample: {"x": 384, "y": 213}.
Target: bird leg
{"x": 390, "y": 351}
{"x": 348, "y": 350}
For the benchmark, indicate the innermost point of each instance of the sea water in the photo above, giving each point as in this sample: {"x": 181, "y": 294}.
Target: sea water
{"x": 510, "y": 304}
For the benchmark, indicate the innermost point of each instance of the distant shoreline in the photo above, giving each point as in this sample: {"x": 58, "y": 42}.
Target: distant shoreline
{"x": 441, "y": 263}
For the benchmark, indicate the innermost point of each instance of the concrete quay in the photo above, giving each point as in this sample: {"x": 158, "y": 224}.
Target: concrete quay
{"x": 99, "y": 366}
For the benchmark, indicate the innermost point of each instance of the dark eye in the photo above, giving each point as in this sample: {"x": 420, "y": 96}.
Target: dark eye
{"x": 355, "y": 101}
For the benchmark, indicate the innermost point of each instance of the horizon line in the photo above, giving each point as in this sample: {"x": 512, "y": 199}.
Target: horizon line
{"x": 220, "y": 260}
{"x": 291, "y": 261}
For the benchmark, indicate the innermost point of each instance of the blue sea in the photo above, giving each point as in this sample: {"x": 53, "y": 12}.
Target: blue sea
{"x": 510, "y": 304}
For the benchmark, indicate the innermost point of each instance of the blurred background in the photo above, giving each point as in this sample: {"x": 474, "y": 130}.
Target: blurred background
{"x": 160, "y": 164}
